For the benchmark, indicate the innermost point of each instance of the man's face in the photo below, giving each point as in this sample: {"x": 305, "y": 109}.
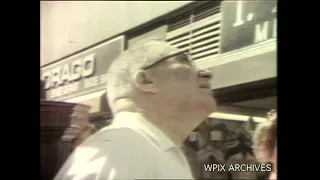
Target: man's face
{"x": 178, "y": 80}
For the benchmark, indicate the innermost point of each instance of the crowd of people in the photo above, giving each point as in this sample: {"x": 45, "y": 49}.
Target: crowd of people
{"x": 157, "y": 97}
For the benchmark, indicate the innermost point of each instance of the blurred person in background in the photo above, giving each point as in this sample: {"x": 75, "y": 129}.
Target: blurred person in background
{"x": 157, "y": 97}
{"x": 265, "y": 142}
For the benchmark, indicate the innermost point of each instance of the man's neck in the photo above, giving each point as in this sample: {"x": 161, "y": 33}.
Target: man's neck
{"x": 177, "y": 126}
{"x": 176, "y": 123}
{"x": 125, "y": 105}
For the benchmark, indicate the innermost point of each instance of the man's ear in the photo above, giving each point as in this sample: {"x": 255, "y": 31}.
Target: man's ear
{"x": 143, "y": 81}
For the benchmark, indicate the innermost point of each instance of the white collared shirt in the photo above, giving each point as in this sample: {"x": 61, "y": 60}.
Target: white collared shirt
{"x": 130, "y": 148}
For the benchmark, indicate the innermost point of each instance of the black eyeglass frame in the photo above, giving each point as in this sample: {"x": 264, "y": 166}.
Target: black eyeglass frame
{"x": 166, "y": 58}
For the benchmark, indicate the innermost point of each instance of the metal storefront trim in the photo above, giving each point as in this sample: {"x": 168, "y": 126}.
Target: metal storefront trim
{"x": 243, "y": 53}
{"x": 246, "y": 91}
{"x": 235, "y": 117}
{"x": 79, "y": 99}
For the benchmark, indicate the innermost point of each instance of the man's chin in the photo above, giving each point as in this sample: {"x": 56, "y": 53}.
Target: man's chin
{"x": 203, "y": 103}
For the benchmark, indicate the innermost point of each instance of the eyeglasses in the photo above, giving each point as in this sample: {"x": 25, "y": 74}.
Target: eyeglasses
{"x": 181, "y": 52}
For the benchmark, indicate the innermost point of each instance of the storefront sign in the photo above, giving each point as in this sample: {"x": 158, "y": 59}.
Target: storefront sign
{"x": 245, "y": 23}
{"x": 82, "y": 73}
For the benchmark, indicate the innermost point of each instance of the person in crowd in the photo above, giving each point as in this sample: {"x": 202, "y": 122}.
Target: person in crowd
{"x": 265, "y": 142}
{"x": 157, "y": 96}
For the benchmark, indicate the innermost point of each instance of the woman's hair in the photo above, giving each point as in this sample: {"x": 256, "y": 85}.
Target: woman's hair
{"x": 265, "y": 138}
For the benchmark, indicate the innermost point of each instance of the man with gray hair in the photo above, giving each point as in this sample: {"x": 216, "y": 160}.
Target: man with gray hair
{"x": 157, "y": 97}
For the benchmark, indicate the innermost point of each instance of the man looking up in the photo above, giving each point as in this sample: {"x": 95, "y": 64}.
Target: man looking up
{"x": 157, "y": 97}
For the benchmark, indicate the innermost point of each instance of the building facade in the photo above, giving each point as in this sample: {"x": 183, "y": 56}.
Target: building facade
{"x": 235, "y": 40}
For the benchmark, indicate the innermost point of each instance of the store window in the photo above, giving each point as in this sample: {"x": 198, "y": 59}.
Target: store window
{"x": 227, "y": 136}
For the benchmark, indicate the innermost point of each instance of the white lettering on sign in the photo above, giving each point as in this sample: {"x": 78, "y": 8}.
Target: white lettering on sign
{"x": 64, "y": 90}
{"x": 88, "y": 64}
{"x": 55, "y": 77}
{"x": 95, "y": 81}
{"x": 239, "y": 20}
{"x": 261, "y": 31}
{"x": 65, "y": 74}
{"x": 68, "y": 73}
{"x": 76, "y": 70}
{"x": 45, "y": 78}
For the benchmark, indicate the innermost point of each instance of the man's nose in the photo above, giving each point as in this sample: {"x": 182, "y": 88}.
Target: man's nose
{"x": 205, "y": 74}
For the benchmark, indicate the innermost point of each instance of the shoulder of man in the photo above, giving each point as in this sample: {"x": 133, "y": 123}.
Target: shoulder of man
{"x": 110, "y": 154}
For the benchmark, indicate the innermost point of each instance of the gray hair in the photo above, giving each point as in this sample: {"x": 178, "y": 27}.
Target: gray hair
{"x": 265, "y": 138}
{"x": 122, "y": 70}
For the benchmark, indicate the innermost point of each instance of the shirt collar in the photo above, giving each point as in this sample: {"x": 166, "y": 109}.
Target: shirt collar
{"x": 138, "y": 122}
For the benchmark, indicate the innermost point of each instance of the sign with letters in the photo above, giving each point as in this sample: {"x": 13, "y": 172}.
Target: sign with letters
{"x": 81, "y": 73}
{"x": 245, "y": 23}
